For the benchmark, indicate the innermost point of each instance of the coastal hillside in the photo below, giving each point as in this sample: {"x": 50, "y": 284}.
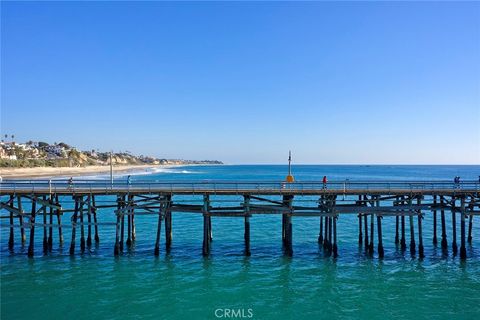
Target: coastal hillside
{"x": 43, "y": 154}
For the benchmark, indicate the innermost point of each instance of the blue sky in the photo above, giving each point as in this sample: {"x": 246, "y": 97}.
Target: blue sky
{"x": 335, "y": 82}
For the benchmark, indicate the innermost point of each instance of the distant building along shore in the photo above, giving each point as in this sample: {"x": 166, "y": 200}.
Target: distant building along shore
{"x": 42, "y": 154}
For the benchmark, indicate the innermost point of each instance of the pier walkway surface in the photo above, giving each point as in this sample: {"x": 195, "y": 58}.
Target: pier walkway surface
{"x": 27, "y": 200}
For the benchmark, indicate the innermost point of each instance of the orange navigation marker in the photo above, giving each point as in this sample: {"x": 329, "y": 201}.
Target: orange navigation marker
{"x": 290, "y": 177}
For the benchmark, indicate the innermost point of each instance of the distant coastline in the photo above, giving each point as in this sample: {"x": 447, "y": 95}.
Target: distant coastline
{"x": 40, "y": 159}
{"x": 39, "y": 172}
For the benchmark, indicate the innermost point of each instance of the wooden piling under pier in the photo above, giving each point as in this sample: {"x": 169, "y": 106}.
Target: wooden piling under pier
{"x": 10, "y": 238}
{"x": 444, "y": 227}
{"x": 463, "y": 250}
{"x": 454, "y": 228}
{"x": 291, "y": 201}
{"x": 421, "y": 253}
{"x": 434, "y": 221}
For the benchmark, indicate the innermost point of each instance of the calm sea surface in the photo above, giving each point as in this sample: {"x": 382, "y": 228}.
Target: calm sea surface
{"x": 184, "y": 285}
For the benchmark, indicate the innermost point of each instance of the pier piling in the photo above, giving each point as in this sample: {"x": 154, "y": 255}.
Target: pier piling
{"x": 365, "y": 222}
{"x": 32, "y": 229}
{"x": 247, "y": 224}
{"x": 470, "y": 225}
{"x": 116, "y": 250}
{"x": 444, "y": 227}
{"x": 74, "y": 226}
{"x": 335, "y": 247}
{"x": 44, "y": 213}
{"x": 59, "y": 221}
{"x": 156, "y": 251}
{"x": 434, "y": 221}
{"x": 89, "y": 219}
{"x": 82, "y": 228}
{"x": 94, "y": 212}
{"x": 421, "y": 253}
{"x": 381, "y": 251}
{"x": 372, "y": 226}
{"x": 50, "y": 228}
{"x": 129, "y": 222}
{"x": 403, "y": 241}
{"x": 10, "y": 238}
{"x": 412, "y": 231}
{"x": 320, "y": 233}
{"x": 463, "y": 250}
{"x": 20, "y": 220}
{"x": 454, "y": 228}
{"x": 206, "y": 226}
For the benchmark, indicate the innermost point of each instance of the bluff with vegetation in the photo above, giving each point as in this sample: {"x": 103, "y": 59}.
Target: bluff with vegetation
{"x": 42, "y": 154}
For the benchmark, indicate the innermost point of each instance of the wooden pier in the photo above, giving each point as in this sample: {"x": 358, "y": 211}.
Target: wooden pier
{"x": 38, "y": 204}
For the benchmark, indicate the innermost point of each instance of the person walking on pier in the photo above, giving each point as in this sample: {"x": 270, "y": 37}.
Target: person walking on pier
{"x": 70, "y": 183}
{"x": 456, "y": 181}
{"x": 324, "y": 182}
{"x": 129, "y": 180}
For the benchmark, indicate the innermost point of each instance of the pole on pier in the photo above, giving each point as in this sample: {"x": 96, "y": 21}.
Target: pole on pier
{"x": 45, "y": 239}
{"x": 156, "y": 251}
{"x": 32, "y": 228}
{"x": 74, "y": 225}
{"x": 94, "y": 207}
{"x": 82, "y": 228}
{"x": 10, "y": 238}
{"x": 421, "y": 253}
{"x": 463, "y": 250}
{"x": 20, "y": 220}
{"x": 116, "y": 250}
{"x": 246, "y": 200}
{"x": 206, "y": 226}
{"x": 435, "y": 220}
{"x": 444, "y": 227}
{"x": 454, "y": 228}
{"x": 59, "y": 221}
{"x": 470, "y": 225}
{"x": 89, "y": 217}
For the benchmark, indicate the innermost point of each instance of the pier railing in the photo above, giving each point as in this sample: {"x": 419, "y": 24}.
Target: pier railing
{"x": 345, "y": 186}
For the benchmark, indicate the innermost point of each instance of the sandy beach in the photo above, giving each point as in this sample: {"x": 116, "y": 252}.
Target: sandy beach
{"x": 39, "y": 172}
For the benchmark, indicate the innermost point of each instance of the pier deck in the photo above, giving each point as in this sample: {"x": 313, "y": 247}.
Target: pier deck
{"x": 27, "y": 200}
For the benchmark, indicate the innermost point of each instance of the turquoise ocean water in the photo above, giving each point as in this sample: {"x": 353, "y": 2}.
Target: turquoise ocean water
{"x": 267, "y": 285}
